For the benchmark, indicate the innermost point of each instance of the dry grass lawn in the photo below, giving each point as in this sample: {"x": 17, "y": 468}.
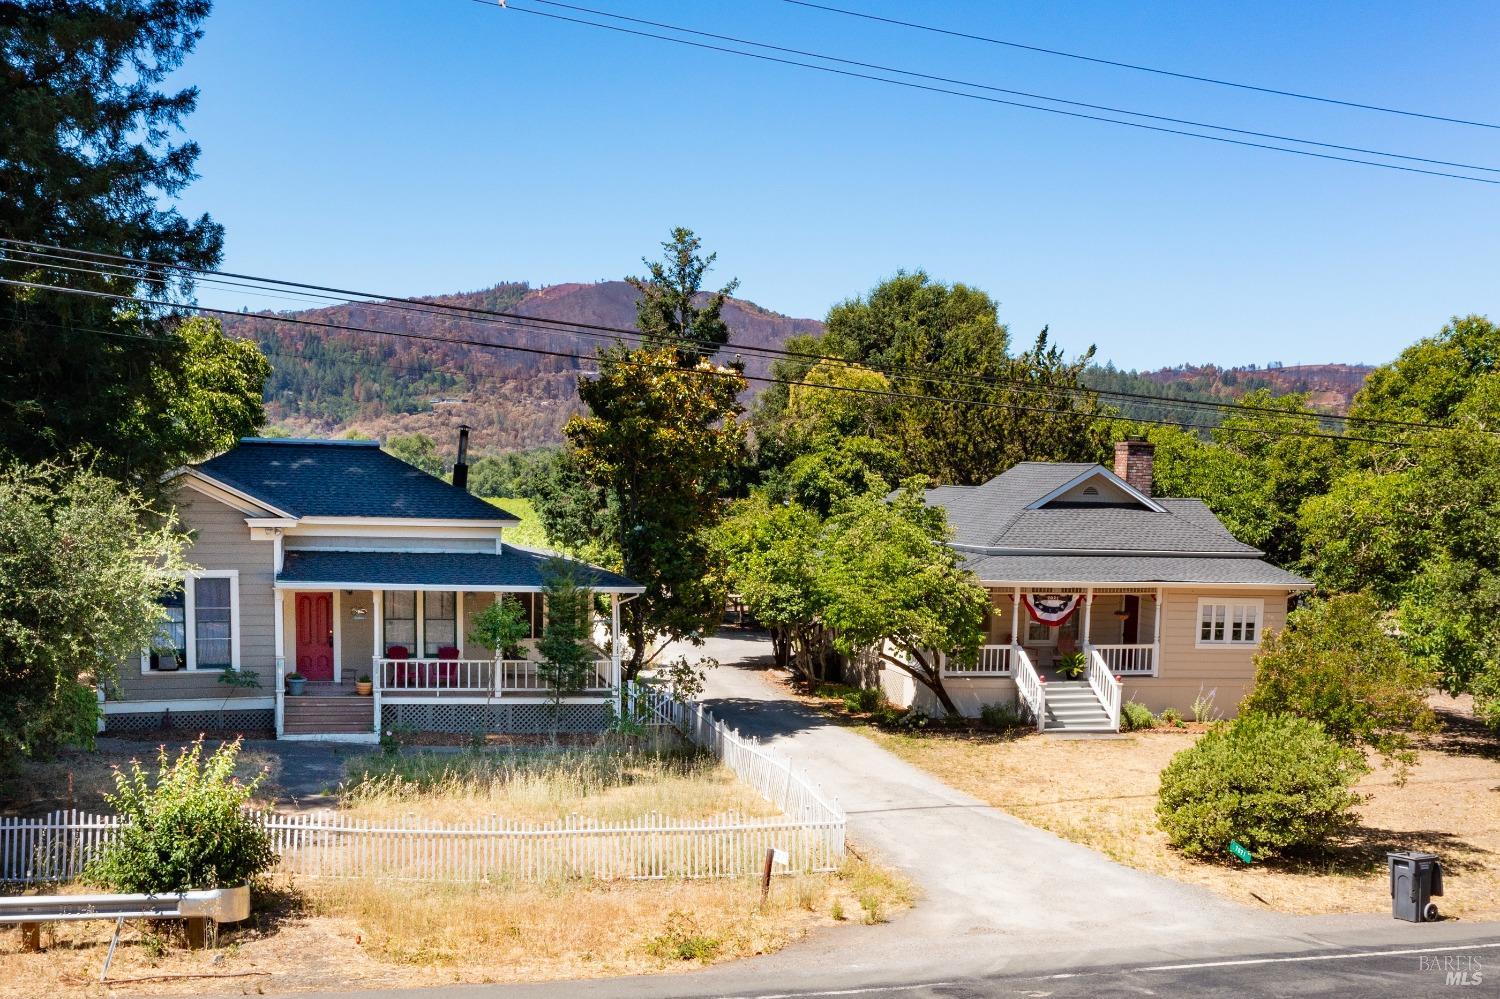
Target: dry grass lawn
{"x": 608, "y": 784}
{"x": 1102, "y": 793}
{"x": 332, "y": 935}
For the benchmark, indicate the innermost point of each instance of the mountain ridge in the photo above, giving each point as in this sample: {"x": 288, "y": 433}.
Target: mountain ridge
{"x": 331, "y": 383}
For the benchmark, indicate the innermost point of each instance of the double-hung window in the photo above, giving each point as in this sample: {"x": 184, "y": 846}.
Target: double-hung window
{"x": 400, "y": 610}
{"x": 201, "y": 628}
{"x": 439, "y": 622}
{"x": 1229, "y": 622}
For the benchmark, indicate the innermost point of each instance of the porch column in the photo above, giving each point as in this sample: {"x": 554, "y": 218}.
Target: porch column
{"x": 1088, "y": 616}
{"x": 614, "y": 650}
{"x": 1015, "y": 624}
{"x": 278, "y": 613}
{"x": 1156, "y": 635}
{"x": 377, "y": 648}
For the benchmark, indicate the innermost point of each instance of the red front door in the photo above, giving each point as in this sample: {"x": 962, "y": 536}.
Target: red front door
{"x": 315, "y": 635}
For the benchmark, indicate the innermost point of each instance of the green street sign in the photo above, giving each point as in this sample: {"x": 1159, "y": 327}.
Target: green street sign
{"x": 1240, "y": 852}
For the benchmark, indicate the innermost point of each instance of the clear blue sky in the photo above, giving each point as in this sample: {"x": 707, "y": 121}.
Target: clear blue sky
{"x": 443, "y": 145}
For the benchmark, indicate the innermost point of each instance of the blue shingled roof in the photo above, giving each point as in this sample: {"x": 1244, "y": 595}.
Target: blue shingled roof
{"x": 515, "y": 568}
{"x": 313, "y": 478}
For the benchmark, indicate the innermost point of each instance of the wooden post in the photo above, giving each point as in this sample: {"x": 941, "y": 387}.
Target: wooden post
{"x": 765, "y": 877}
{"x": 197, "y": 933}
{"x": 31, "y": 936}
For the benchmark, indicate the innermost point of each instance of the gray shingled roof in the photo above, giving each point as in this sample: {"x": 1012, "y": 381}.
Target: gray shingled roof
{"x": 1183, "y": 542}
{"x": 1118, "y": 569}
{"x": 994, "y": 517}
{"x": 313, "y": 478}
{"x": 513, "y": 569}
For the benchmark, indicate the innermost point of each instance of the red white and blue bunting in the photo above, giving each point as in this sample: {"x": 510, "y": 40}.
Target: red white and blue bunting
{"x": 1051, "y": 609}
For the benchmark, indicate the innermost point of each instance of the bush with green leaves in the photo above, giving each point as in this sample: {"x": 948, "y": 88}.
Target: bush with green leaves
{"x": 185, "y": 827}
{"x": 1337, "y": 663}
{"x": 1134, "y": 715}
{"x": 1276, "y": 783}
{"x": 1003, "y": 716}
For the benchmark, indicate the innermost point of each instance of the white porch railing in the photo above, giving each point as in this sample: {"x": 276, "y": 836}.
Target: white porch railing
{"x": 1030, "y": 688}
{"x": 993, "y": 660}
{"x": 485, "y": 677}
{"x": 1136, "y": 660}
{"x": 1106, "y": 687}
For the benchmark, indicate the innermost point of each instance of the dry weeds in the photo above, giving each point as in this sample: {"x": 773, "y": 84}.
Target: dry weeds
{"x": 1102, "y": 793}
{"x": 609, "y": 784}
{"x": 318, "y": 936}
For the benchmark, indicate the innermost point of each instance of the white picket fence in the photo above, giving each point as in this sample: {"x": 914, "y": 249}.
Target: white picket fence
{"x": 811, "y": 829}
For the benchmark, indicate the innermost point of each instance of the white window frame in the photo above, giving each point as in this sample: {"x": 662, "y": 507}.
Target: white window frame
{"x": 189, "y": 609}
{"x": 1256, "y": 606}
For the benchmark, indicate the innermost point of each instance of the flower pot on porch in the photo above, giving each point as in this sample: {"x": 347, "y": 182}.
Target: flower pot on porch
{"x": 296, "y": 684}
{"x": 363, "y": 687}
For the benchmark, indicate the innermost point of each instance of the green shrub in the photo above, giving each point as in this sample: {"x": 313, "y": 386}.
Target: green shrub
{"x": 681, "y": 940}
{"x": 1170, "y": 716}
{"x": 1135, "y": 715}
{"x": 866, "y": 700}
{"x": 902, "y": 719}
{"x": 1002, "y": 716}
{"x": 1275, "y": 783}
{"x": 1336, "y": 664}
{"x": 185, "y": 828}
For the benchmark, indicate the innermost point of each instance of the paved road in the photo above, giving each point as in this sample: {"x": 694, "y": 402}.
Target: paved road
{"x": 1007, "y": 908}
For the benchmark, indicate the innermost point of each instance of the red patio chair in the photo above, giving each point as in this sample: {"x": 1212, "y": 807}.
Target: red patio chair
{"x": 399, "y": 652}
{"x": 448, "y": 664}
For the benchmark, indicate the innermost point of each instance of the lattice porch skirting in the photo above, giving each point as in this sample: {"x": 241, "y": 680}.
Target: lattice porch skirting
{"x": 258, "y": 720}
{"x": 498, "y": 718}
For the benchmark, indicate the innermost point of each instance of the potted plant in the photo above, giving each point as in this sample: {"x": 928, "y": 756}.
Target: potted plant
{"x": 362, "y": 685}
{"x": 295, "y": 682}
{"x": 1071, "y": 665}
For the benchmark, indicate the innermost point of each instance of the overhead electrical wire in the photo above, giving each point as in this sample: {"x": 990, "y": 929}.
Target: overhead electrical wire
{"x": 45, "y": 255}
{"x": 1005, "y": 90}
{"x": 1141, "y": 68}
{"x": 709, "y": 371}
{"x": 912, "y": 85}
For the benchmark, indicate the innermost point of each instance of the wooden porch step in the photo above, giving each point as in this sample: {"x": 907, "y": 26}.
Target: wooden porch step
{"x": 332, "y": 714}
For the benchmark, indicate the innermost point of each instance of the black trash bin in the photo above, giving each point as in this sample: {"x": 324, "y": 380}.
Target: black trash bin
{"x": 1415, "y": 879}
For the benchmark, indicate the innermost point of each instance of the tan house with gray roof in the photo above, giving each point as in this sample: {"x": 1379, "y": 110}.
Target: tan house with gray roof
{"x": 1163, "y": 603}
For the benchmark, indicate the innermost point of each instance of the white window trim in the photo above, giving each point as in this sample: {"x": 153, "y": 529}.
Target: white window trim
{"x": 189, "y": 607}
{"x": 1229, "y": 603}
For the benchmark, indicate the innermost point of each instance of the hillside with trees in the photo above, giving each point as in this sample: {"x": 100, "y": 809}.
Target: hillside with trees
{"x": 329, "y": 383}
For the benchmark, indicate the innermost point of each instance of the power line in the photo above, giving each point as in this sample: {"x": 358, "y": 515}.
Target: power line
{"x": 1004, "y": 90}
{"x": 518, "y": 322}
{"x": 1140, "y": 68}
{"x": 986, "y": 99}
{"x": 718, "y": 372}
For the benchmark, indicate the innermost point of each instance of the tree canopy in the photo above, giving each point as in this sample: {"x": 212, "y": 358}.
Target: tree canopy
{"x": 660, "y": 441}
{"x": 673, "y": 310}
{"x": 88, "y": 162}
{"x": 80, "y": 576}
{"x": 912, "y": 335}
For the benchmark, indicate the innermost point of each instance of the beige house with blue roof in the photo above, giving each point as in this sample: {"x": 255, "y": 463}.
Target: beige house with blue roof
{"x": 331, "y": 561}
{"x": 1163, "y": 603}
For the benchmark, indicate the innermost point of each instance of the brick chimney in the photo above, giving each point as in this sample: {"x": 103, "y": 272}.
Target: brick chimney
{"x": 1135, "y": 458}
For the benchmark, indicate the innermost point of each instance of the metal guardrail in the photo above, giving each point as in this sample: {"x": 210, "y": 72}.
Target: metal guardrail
{"x": 218, "y": 905}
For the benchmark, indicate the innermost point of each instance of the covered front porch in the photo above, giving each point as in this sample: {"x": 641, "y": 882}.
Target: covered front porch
{"x": 386, "y": 643}
{"x": 1120, "y": 623}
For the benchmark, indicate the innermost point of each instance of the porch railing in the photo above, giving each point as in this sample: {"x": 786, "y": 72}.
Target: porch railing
{"x": 483, "y": 677}
{"x": 1029, "y": 686}
{"x": 1106, "y": 687}
{"x": 993, "y": 660}
{"x": 1136, "y": 660}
